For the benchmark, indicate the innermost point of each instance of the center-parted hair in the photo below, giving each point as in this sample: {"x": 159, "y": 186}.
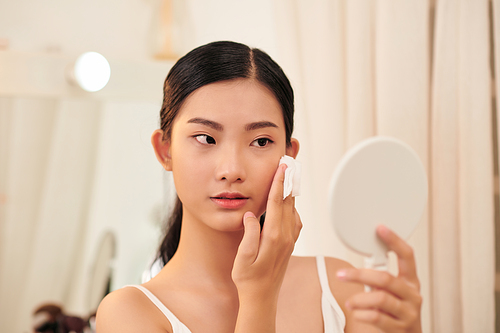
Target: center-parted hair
{"x": 214, "y": 62}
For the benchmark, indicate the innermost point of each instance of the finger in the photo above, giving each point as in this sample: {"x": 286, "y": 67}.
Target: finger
{"x": 379, "y": 300}
{"x": 288, "y": 217}
{"x": 381, "y": 320}
{"x": 249, "y": 245}
{"x": 406, "y": 257}
{"x": 380, "y": 280}
{"x": 274, "y": 209}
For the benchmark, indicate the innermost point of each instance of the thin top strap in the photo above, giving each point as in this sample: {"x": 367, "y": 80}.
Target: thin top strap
{"x": 327, "y": 298}
{"x": 177, "y": 325}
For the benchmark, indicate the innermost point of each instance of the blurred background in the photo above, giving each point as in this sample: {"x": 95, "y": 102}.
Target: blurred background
{"x": 82, "y": 197}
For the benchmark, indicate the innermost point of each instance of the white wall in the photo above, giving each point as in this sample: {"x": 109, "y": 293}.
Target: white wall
{"x": 246, "y": 21}
{"x": 128, "y": 29}
{"x": 118, "y": 29}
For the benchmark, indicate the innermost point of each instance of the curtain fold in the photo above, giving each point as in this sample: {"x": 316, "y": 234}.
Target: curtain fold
{"x": 495, "y": 28}
{"x": 444, "y": 189}
{"x": 322, "y": 34}
{"x": 393, "y": 68}
{"x": 61, "y": 217}
{"x": 290, "y": 59}
{"x": 28, "y": 124}
{"x": 360, "y": 85}
{"x": 309, "y": 54}
{"x": 50, "y": 149}
{"x": 71, "y": 176}
{"x": 402, "y": 99}
{"x": 476, "y": 210}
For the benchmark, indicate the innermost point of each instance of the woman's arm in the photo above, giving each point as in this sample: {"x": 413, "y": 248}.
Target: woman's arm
{"x": 262, "y": 259}
{"x": 394, "y": 304}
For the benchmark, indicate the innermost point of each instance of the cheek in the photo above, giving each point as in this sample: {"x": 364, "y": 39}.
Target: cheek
{"x": 264, "y": 175}
{"x": 189, "y": 171}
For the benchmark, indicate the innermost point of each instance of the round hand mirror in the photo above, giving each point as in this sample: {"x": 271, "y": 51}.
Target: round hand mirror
{"x": 379, "y": 181}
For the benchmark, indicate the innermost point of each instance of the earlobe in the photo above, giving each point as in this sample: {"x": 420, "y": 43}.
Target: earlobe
{"x": 293, "y": 149}
{"x": 161, "y": 147}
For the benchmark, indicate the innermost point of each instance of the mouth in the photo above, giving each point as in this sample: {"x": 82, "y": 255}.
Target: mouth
{"x": 230, "y": 200}
{"x": 230, "y": 196}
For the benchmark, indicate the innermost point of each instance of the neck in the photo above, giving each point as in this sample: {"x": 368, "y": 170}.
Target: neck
{"x": 206, "y": 252}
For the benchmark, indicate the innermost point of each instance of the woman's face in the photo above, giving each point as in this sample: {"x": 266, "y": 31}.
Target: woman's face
{"x": 224, "y": 149}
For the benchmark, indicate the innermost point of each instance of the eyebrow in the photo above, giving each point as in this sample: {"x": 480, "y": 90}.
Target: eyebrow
{"x": 260, "y": 124}
{"x": 218, "y": 127}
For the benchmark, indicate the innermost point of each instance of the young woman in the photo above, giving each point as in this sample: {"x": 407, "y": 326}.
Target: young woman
{"x": 226, "y": 120}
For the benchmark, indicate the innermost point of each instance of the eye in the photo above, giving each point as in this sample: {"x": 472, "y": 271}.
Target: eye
{"x": 262, "y": 142}
{"x": 205, "y": 139}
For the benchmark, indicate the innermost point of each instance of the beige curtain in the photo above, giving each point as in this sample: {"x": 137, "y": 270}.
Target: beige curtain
{"x": 68, "y": 177}
{"x": 419, "y": 71}
{"x": 49, "y": 149}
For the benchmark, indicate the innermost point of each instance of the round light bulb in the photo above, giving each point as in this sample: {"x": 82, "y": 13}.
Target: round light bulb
{"x": 92, "y": 71}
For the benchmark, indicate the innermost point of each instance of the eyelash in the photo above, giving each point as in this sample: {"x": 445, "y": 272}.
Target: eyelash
{"x": 268, "y": 141}
{"x": 208, "y": 140}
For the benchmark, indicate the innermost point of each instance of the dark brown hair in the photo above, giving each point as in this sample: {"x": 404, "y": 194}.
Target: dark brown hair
{"x": 214, "y": 62}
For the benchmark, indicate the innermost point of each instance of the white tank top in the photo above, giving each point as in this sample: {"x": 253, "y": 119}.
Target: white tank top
{"x": 333, "y": 317}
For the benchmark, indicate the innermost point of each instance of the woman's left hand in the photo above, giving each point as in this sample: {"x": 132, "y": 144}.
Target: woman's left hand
{"x": 394, "y": 304}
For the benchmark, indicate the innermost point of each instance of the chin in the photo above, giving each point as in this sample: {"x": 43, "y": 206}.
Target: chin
{"x": 227, "y": 221}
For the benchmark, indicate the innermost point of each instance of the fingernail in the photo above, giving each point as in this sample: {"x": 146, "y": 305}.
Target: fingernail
{"x": 342, "y": 274}
{"x": 382, "y": 230}
{"x": 248, "y": 214}
{"x": 348, "y": 305}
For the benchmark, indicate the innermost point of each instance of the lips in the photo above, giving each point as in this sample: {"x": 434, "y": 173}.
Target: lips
{"x": 229, "y": 200}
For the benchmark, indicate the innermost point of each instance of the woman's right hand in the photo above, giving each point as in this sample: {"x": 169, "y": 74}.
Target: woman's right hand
{"x": 262, "y": 259}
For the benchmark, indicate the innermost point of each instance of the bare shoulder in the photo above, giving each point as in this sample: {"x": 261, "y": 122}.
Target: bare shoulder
{"x": 302, "y": 264}
{"x": 304, "y": 271}
{"x": 340, "y": 289}
{"x": 307, "y": 266}
{"x": 129, "y": 310}
{"x": 301, "y": 272}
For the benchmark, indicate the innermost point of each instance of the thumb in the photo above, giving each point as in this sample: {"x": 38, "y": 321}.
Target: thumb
{"x": 249, "y": 246}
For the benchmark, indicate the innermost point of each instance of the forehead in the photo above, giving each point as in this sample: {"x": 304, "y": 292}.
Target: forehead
{"x": 238, "y": 101}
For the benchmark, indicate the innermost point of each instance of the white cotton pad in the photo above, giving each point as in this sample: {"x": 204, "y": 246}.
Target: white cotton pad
{"x": 292, "y": 176}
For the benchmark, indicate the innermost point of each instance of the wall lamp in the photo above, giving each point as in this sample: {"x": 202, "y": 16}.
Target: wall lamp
{"x": 91, "y": 71}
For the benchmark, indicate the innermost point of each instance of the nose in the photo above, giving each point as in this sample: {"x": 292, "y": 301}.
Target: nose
{"x": 231, "y": 166}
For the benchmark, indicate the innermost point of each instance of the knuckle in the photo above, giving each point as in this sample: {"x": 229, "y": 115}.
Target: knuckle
{"x": 382, "y": 298}
{"x": 385, "y": 280}
{"x": 417, "y": 285}
{"x": 419, "y": 300}
{"x": 413, "y": 316}
{"x": 299, "y": 224}
{"x": 246, "y": 252}
{"x": 375, "y": 317}
{"x": 296, "y": 234}
{"x": 407, "y": 252}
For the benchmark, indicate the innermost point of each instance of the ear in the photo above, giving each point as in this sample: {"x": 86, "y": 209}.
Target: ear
{"x": 162, "y": 149}
{"x": 293, "y": 150}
